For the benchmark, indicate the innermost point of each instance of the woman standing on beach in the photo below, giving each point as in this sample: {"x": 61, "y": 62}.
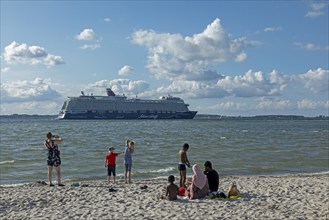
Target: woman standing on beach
{"x": 128, "y": 161}
{"x": 53, "y": 159}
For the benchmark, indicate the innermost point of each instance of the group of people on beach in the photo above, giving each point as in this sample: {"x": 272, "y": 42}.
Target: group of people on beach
{"x": 54, "y": 159}
{"x": 110, "y": 161}
{"x": 201, "y": 184}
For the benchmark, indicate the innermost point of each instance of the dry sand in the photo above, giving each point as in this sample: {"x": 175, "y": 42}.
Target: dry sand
{"x": 263, "y": 197}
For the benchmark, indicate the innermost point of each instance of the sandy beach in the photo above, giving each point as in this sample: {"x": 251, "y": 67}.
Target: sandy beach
{"x": 263, "y": 197}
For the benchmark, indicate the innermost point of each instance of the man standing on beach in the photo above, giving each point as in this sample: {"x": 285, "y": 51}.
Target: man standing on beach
{"x": 183, "y": 162}
{"x": 212, "y": 175}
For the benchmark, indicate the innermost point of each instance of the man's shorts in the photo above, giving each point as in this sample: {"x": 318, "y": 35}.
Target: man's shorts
{"x": 181, "y": 167}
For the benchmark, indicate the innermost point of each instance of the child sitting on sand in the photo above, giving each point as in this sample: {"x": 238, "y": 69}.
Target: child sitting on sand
{"x": 171, "y": 190}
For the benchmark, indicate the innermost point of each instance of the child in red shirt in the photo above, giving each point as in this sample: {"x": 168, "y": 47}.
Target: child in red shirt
{"x": 109, "y": 162}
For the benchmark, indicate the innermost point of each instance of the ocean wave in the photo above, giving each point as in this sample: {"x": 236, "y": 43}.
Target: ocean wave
{"x": 162, "y": 170}
{"x": 13, "y": 185}
{"x": 6, "y": 162}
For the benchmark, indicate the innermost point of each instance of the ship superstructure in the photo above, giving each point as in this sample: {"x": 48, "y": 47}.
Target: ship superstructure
{"x": 115, "y": 106}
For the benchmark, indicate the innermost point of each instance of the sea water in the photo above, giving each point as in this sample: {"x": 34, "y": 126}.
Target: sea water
{"x": 235, "y": 147}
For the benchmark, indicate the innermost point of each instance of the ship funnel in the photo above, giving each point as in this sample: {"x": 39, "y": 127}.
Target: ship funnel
{"x": 109, "y": 92}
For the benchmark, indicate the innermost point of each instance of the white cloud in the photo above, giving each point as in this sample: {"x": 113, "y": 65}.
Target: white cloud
{"x": 174, "y": 57}
{"x": 310, "y": 46}
{"x": 126, "y": 70}
{"x": 119, "y": 86}
{"x": 190, "y": 89}
{"x": 272, "y": 29}
{"x": 310, "y": 104}
{"x": 229, "y": 105}
{"x": 107, "y": 20}
{"x": 253, "y": 84}
{"x": 273, "y": 104}
{"x": 90, "y": 46}
{"x": 16, "y": 53}
{"x": 316, "y": 9}
{"x": 27, "y": 91}
{"x": 326, "y": 104}
{"x": 249, "y": 85}
{"x": 87, "y": 35}
{"x": 316, "y": 80}
{"x": 5, "y": 70}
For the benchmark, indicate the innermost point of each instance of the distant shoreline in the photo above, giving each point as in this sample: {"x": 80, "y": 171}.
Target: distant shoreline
{"x": 204, "y": 116}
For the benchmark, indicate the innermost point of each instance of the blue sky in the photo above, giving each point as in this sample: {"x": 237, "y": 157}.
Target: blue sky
{"x": 222, "y": 57}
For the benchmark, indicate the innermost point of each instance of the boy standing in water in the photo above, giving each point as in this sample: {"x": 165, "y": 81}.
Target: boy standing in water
{"x": 110, "y": 163}
{"x": 183, "y": 162}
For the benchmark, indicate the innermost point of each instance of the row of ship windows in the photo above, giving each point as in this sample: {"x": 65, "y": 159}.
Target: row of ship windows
{"x": 105, "y": 106}
{"x": 142, "y": 109}
{"x": 146, "y": 111}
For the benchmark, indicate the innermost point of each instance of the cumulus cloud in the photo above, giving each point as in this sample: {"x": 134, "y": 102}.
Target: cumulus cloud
{"x": 268, "y": 87}
{"x": 229, "y": 105}
{"x": 27, "y": 91}
{"x": 86, "y": 35}
{"x": 251, "y": 84}
{"x": 16, "y": 53}
{"x": 126, "y": 70}
{"x": 316, "y": 80}
{"x": 254, "y": 84}
{"x": 90, "y": 36}
{"x": 119, "y": 86}
{"x": 273, "y": 104}
{"x": 190, "y": 89}
{"x": 310, "y": 104}
{"x": 316, "y": 9}
{"x": 174, "y": 57}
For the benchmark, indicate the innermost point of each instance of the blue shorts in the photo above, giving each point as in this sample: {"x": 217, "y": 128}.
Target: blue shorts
{"x": 181, "y": 167}
{"x": 110, "y": 170}
{"x": 128, "y": 167}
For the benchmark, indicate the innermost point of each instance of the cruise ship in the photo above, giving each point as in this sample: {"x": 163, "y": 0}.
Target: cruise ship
{"x": 115, "y": 106}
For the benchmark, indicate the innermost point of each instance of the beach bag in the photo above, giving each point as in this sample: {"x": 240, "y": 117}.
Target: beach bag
{"x": 233, "y": 190}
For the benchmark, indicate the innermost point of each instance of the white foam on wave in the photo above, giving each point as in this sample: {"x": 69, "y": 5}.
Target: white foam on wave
{"x": 13, "y": 185}
{"x": 6, "y": 162}
{"x": 162, "y": 170}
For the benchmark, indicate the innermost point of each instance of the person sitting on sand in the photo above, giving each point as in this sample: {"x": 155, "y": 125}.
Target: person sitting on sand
{"x": 212, "y": 176}
{"x": 199, "y": 187}
{"x": 172, "y": 189}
